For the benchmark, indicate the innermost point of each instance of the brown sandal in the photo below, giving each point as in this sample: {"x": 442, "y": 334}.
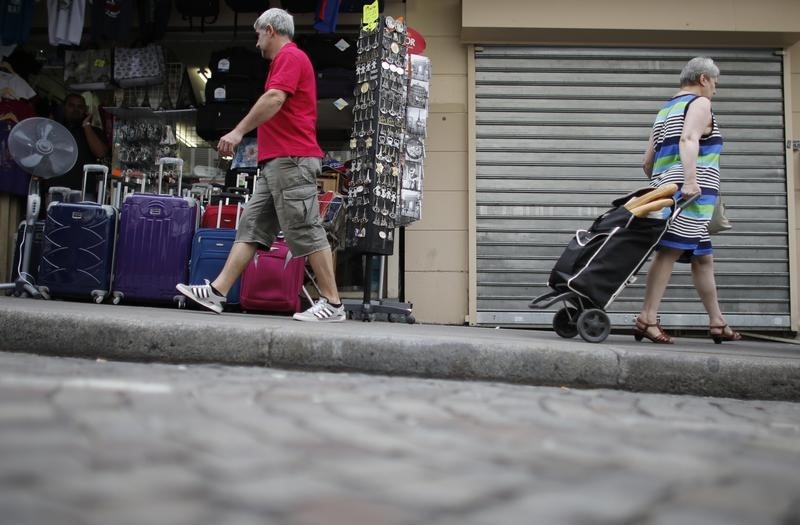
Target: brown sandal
{"x": 722, "y": 336}
{"x": 640, "y": 332}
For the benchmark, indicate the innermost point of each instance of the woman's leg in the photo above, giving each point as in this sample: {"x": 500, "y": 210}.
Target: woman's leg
{"x": 706, "y": 286}
{"x": 657, "y": 280}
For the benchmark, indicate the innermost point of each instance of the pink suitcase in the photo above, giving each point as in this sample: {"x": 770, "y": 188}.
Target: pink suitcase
{"x": 272, "y": 282}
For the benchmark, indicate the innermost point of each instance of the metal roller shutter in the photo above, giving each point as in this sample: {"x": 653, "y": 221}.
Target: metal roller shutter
{"x": 561, "y": 131}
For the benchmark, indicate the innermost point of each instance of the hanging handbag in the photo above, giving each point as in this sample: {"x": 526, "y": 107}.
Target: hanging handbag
{"x": 139, "y": 66}
{"x": 719, "y": 222}
{"x": 87, "y": 69}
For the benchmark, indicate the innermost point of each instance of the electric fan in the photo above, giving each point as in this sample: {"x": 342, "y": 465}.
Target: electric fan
{"x": 45, "y": 149}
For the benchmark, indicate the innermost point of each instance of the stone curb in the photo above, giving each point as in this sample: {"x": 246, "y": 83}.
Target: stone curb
{"x": 479, "y": 355}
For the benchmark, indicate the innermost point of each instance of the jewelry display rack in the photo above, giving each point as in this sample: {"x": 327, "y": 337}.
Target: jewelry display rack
{"x": 377, "y": 146}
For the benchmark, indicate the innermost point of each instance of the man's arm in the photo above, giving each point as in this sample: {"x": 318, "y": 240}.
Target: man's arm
{"x": 266, "y": 107}
{"x": 97, "y": 145}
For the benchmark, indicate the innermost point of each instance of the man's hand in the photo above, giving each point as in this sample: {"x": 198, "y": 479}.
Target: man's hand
{"x": 87, "y": 120}
{"x": 227, "y": 144}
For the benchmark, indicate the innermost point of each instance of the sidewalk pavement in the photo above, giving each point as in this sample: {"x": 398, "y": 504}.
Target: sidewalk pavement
{"x": 749, "y": 369}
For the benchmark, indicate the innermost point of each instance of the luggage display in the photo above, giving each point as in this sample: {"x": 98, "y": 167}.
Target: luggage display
{"x": 212, "y": 244}
{"x": 273, "y": 280}
{"x": 599, "y": 262}
{"x": 223, "y": 215}
{"x": 155, "y": 240}
{"x": 78, "y": 253}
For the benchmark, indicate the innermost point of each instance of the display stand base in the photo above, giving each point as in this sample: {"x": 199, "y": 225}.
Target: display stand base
{"x": 377, "y": 309}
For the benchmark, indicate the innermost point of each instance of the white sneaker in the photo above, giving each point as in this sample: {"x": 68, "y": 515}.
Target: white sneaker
{"x": 203, "y": 295}
{"x": 322, "y": 312}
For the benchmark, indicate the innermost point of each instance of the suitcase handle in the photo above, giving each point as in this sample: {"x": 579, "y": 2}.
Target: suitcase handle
{"x": 170, "y": 160}
{"x": 101, "y": 195}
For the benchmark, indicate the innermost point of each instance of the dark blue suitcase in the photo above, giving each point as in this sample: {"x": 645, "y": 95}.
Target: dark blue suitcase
{"x": 210, "y": 249}
{"x": 78, "y": 252}
{"x": 155, "y": 240}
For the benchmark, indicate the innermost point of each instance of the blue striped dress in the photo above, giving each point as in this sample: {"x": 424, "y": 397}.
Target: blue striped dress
{"x": 689, "y": 232}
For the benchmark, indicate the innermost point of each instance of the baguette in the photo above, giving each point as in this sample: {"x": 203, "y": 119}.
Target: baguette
{"x": 644, "y": 209}
{"x": 667, "y": 190}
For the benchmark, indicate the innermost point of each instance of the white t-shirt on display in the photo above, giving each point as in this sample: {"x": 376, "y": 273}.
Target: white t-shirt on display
{"x": 65, "y": 21}
{"x": 14, "y": 87}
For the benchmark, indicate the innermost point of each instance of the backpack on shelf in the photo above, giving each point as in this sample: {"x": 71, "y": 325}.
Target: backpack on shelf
{"x": 245, "y": 6}
{"x": 203, "y": 9}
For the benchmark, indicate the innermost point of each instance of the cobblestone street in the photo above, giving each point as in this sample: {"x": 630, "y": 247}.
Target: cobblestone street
{"x": 85, "y": 442}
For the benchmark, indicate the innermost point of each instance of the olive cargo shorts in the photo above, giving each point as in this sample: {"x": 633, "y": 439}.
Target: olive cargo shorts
{"x": 285, "y": 199}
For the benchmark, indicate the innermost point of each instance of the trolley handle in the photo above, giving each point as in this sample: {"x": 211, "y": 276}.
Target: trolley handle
{"x": 681, "y": 204}
{"x": 101, "y": 195}
{"x": 170, "y": 160}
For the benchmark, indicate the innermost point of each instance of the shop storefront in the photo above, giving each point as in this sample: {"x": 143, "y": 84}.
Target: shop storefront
{"x": 564, "y": 97}
{"x": 538, "y": 116}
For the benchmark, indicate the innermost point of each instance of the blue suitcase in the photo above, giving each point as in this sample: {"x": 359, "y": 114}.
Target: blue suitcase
{"x": 155, "y": 240}
{"x": 78, "y": 252}
{"x": 210, "y": 249}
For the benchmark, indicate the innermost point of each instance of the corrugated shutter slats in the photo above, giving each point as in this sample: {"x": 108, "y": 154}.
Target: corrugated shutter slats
{"x": 561, "y": 132}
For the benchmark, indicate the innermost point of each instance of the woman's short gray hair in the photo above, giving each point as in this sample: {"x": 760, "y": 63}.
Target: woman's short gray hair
{"x": 280, "y": 20}
{"x": 697, "y": 66}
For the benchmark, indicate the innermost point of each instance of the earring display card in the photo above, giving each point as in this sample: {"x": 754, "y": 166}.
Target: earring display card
{"x": 410, "y": 208}
{"x": 377, "y": 142}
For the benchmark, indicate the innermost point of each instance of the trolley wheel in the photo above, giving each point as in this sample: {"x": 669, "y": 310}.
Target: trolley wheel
{"x": 394, "y": 318}
{"x": 116, "y": 297}
{"x": 593, "y": 325}
{"x": 564, "y": 322}
{"x": 410, "y": 319}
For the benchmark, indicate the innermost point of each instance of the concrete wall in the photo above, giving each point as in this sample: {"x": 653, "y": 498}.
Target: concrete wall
{"x": 792, "y": 93}
{"x": 436, "y": 276}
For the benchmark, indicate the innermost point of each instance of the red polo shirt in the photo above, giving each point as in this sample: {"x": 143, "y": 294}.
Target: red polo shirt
{"x": 292, "y": 132}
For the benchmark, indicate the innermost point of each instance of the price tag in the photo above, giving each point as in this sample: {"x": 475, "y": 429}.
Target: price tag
{"x": 371, "y": 15}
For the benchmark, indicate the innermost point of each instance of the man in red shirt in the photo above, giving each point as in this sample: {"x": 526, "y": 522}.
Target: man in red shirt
{"x": 285, "y": 192}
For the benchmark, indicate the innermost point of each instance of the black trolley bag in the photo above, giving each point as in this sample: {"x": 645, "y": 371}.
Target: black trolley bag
{"x": 597, "y": 265}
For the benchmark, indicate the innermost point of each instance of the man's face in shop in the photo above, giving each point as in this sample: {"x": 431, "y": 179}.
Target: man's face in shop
{"x": 74, "y": 109}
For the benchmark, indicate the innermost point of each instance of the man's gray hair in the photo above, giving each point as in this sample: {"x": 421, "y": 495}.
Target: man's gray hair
{"x": 280, "y": 20}
{"x": 697, "y": 66}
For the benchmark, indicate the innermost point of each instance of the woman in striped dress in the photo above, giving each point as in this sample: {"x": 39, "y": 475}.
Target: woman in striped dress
{"x": 684, "y": 148}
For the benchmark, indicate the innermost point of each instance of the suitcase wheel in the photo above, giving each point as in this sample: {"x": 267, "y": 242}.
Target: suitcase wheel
{"x": 593, "y": 325}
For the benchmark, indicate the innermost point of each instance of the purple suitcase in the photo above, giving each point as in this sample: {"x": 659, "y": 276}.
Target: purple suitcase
{"x": 155, "y": 241}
